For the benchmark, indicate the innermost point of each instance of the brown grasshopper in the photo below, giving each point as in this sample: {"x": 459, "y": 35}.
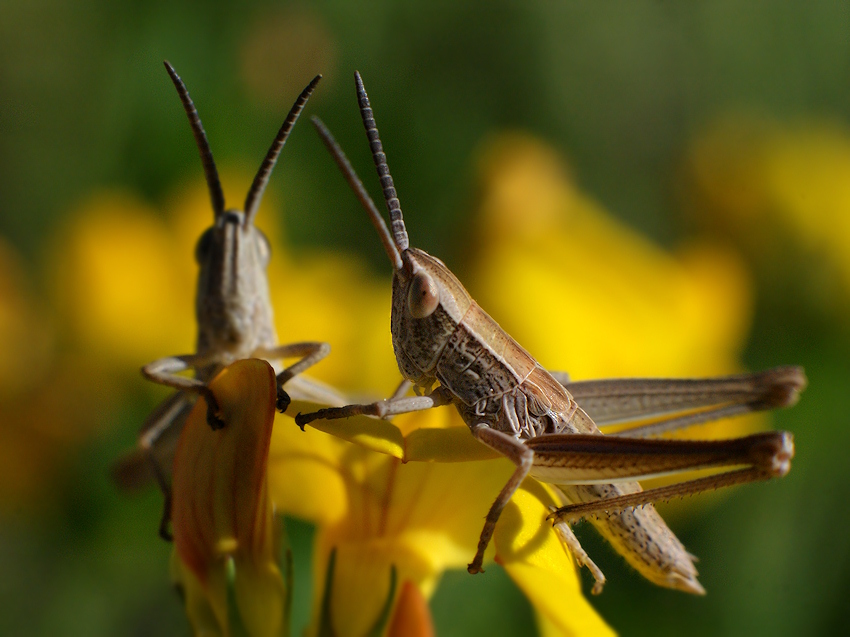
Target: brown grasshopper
{"x": 547, "y": 425}
{"x": 233, "y": 311}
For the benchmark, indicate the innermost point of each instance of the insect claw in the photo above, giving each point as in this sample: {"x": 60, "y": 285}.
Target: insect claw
{"x": 213, "y": 419}
{"x": 283, "y": 401}
{"x": 556, "y": 515}
{"x": 299, "y": 421}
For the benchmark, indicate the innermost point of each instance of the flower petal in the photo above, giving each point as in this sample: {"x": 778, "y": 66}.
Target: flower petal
{"x": 412, "y": 617}
{"x": 305, "y": 473}
{"x": 531, "y": 553}
{"x": 455, "y": 444}
{"x": 221, "y": 508}
{"x": 362, "y": 581}
{"x": 372, "y": 433}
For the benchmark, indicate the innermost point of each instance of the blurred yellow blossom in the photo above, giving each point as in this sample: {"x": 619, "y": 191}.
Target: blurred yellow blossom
{"x": 783, "y": 192}
{"x": 282, "y": 48}
{"x": 124, "y": 277}
{"x": 118, "y": 282}
{"x": 586, "y": 294}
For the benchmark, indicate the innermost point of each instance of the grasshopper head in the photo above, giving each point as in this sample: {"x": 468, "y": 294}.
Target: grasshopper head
{"x": 428, "y": 300}
{"x": 429, "y": 303}
{"x": 232, "y": 306}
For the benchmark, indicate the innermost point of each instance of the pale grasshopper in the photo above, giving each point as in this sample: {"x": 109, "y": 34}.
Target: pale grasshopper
{"x": 234, "y": 315}
{"x": 547, "y": 425}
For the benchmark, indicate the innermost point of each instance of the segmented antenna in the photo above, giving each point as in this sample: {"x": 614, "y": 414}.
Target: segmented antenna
{"x": 380, "y": 158}
{"x": 213, "y": 183}
{"x": 255, "y": 194}
{"x": 357, "y": 186}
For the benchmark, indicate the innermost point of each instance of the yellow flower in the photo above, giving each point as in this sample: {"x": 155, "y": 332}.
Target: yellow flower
{"x": 225, "y": 539}
{"x": 587, "y": 295}
{"x": 377, "y": 512}
{"x": 783, "y": 192}
{"x": 379, "y": 518}
{"x": 120, "y": 282}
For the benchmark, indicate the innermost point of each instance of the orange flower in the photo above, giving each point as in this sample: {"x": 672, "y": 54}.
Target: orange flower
{"x": 225, "y": 536}
{"x": 412, "y": 618}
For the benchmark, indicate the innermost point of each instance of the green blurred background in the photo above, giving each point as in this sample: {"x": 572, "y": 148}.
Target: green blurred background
{"x": 620, "y": 88}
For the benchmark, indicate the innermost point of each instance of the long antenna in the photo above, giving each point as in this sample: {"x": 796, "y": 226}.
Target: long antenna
{"x": 393, "y": 205}
{"x": 255, "y": 194}
{"x": 213, "y": 183}
{"x": 357, "y": 186}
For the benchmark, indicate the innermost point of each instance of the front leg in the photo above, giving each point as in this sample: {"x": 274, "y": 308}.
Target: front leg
{"x": 382, "y": 409}
{"x": 154, "y": 453}
{"x": 311, "y": 352}
{"x": 523, "y": 458}
{"x": 165, "y": 371}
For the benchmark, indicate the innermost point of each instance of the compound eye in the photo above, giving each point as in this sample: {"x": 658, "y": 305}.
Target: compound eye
{"x": 264, "y": 248}
{"x": 423, "y": 297}
{"x": 204, "y": 246}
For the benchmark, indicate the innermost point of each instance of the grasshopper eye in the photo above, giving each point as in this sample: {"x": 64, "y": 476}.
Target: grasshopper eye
{"x": 264, "y": 248}
{"x": 204, "y": 246}
{"x": 423, "y": 297}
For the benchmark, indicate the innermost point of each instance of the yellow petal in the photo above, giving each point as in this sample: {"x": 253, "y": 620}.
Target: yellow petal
{"x": 431, "y": 435}
{"x": 372, "y": 433}
{"x": 455, "y": 444}
{"x": 361, "y": 581}
{"x": 440, "y": 435}
{"x": 778, "y": 188}
{"x": 306, "y": 477}
{"x": 534, "y": 558}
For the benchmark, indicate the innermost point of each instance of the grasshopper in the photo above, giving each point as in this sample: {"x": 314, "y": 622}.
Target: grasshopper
{"x": 548, "y": 426}
{"x": 234, "y": 315}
